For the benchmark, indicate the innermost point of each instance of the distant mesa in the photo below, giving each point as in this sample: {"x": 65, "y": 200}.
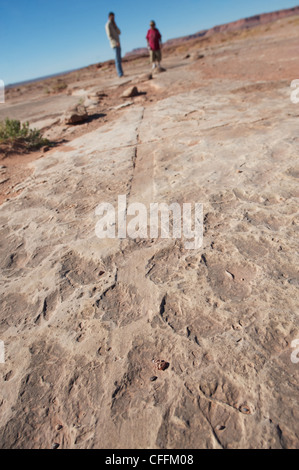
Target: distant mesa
{"x": 238, "y": 25}
{"x": 140, "y": 51}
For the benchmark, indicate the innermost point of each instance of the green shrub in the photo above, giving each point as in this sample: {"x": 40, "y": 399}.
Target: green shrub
{"x": 13, "y": 132}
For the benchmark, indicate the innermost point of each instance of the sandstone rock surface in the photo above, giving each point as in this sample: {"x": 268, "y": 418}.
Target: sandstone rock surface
{"x": 87, "y": 322}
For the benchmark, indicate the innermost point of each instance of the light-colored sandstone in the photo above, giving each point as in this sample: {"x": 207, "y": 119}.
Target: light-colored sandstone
{"x": 83, "y": 319}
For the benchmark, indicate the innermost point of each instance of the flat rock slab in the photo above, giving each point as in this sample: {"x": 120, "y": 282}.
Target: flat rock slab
{"x": 86, "y": 321}
{"x": 35, "y": 111}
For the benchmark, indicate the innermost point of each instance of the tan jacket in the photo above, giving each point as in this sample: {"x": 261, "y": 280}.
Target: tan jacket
{"x": 113, "y": 34}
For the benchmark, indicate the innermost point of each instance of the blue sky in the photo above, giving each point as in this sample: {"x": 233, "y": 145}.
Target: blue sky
{"x": 43, "y": 37}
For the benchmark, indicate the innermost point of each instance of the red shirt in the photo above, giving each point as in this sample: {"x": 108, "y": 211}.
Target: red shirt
{"x": 153, "y": 36}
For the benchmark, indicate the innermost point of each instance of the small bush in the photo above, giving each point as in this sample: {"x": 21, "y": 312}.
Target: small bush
{"x": 19, "y": 135}
{"x": 53, "y": 87}
{"x": 59, "y": 86}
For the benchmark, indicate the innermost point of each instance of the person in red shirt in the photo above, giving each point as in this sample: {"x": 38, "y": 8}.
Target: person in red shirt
{"x": 154, "y": 44}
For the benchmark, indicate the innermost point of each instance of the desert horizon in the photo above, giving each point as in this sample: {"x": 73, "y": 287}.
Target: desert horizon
{"x": 263, "y": 18}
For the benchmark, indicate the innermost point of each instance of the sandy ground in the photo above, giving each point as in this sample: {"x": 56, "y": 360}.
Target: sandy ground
{"x": 83, "y": 319}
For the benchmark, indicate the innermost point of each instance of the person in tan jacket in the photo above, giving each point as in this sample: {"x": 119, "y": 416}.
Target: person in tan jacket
{"x": 113, "y": 33}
